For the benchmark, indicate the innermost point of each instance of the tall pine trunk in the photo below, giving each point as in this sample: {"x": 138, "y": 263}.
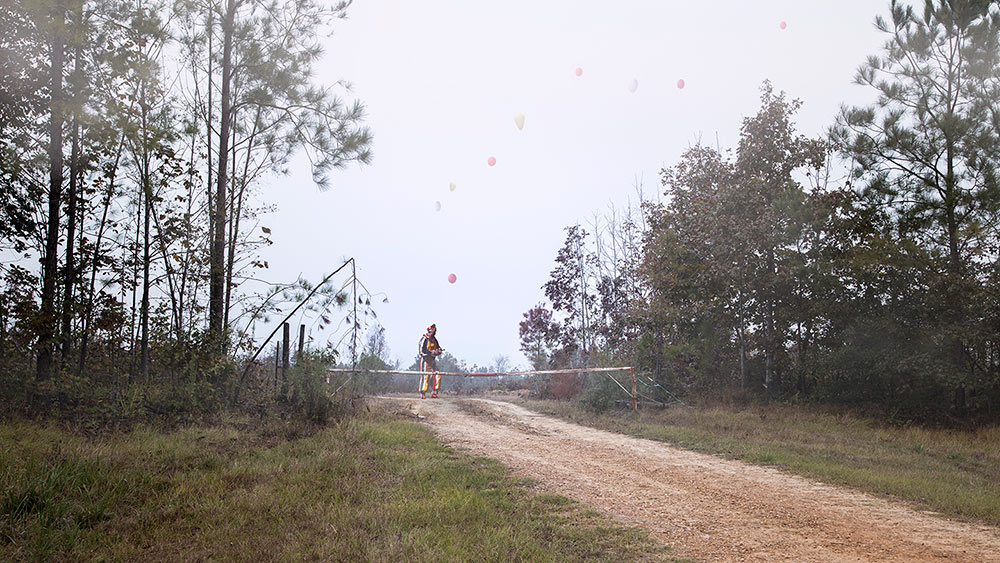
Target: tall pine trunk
{"x": 956, "y": 304}
{"x": 133, "y": 284}
{"x": 47, "y": 320}
{"x": 70, "y": 267}
{"x": 147, "y": 210}
{"x": 234, "y": 225}
{"x": 144, "y": 303}
{"x": 217, "y": 258}
{"x": 210, "y": 168}
{"x": 74, "y": 178}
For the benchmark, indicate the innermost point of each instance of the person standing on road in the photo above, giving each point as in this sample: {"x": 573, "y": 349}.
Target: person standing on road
{"x": 429, "y": 351}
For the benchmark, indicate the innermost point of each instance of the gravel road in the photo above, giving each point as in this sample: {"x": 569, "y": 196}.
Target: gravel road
{"x": 704, "y": 507}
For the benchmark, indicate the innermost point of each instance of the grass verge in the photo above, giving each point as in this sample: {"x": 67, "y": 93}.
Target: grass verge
{"x": 376, "y": 488}
{"x": 953, "y": 472}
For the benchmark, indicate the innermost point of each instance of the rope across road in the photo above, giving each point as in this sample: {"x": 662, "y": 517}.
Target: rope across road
{"x": 634, "y": 394}
{"x": 479, "y": 373}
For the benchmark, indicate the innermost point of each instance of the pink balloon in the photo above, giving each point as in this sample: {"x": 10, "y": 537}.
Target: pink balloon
{"x": 491, "y": 161}
{"x": 782, "y": 25}
{"x": 452, "y": 278}
{"x": 579, "y": 71}
{"x": 680, "y": 83}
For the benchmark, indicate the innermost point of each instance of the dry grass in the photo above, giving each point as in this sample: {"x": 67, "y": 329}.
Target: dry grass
{"x": 368, "y": 489}
{"x": 949, "y": 471}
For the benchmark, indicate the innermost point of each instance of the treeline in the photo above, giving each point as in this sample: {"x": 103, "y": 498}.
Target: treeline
{"x": 857, "y": 268}
{"x": 133, "y": 139}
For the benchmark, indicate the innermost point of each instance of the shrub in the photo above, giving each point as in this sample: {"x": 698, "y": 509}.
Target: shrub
{"x": 308, "y": 389}
{"x": 601, "y": 393}
{"x": 565, "y": 386}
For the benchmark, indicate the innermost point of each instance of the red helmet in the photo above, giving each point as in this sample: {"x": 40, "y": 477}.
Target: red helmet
{"x": 431, "y": 330}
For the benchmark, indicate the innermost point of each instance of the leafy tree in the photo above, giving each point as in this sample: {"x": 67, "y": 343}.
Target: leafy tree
{"x": 539, "y": 335}
{"x": 773, "y": 205}
{"x": 568, "y": 289}
{"x": 23, "y": 74}
{"x": 679, "y": 262}
{"x": 720, "y": 259}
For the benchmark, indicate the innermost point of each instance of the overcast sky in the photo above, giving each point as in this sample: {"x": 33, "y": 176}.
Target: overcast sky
{"x": 442, "y": 81}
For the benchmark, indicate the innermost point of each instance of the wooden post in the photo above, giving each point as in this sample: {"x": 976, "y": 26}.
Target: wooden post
{"x": 635, "y": 397}
{"x": 354, "y": 318}
{"x": 277, "y": 364}
{"x": 285, "y": 347}
{"x": 302, "y": 342}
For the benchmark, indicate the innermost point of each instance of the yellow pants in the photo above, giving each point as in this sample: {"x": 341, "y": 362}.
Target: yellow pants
{"x": 428, "y": 364}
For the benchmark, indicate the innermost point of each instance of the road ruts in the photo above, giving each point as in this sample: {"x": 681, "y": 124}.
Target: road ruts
{"x": 704, "y": 507}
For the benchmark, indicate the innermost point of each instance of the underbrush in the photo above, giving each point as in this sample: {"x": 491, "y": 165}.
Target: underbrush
{"x": 955, "y": 472}
{"x": 99, "y": 404}
{"x": 96, "y": 408}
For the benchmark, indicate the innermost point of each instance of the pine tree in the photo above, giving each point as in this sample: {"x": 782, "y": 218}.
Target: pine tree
{"x": 926, "y": 151}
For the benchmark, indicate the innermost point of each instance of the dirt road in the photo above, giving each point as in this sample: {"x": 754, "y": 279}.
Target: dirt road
{"x": 704, "y": 507}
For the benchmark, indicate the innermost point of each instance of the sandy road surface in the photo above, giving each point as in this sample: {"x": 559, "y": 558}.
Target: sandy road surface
{"x": 703, "y": 506}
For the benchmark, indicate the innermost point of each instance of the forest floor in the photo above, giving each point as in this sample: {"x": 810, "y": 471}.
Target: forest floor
{"x": 703, "y": 506}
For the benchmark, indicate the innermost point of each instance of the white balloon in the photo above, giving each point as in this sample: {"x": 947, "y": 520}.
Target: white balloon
{"x": 452, "y": 186}
{"x": 437, "y": 206}
{"x": 519, "y": 120}
{"x": 633, "y": 86}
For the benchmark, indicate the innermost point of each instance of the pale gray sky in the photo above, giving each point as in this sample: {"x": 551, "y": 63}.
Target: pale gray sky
{"x": 442, "y": 81}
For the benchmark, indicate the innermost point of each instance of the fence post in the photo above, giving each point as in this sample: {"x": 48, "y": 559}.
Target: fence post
{"x": 302, "y": 342}
{"x": 285, "y": 348}
{"x": 635, "y": 398}
{"x": 285, "y": 337}
{"x": 277, "y": 364}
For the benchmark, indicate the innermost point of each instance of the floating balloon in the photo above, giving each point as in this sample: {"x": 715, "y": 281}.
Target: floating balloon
{"x": 491, "y": 161}
{"x": 519, "y": 120}
{"x": 452, "y": 278}
{"x": 579, "y": 71}
{"x": 437, "y": 206}
{"x": 680, "y": 83}
{"x": 452, "y": 186}
{"x": 782, "y": 25}
{"x": 633, "y": 86}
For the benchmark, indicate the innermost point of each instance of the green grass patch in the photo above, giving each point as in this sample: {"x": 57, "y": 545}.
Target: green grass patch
{"x": 368, "y": 489}
{"x": 948, "y": 471}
